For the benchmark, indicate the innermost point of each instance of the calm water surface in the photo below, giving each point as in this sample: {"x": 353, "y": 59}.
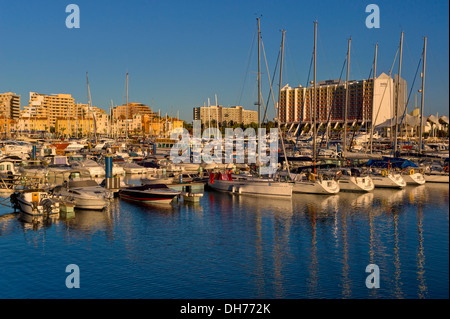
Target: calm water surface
{"x": 230, "y": 246}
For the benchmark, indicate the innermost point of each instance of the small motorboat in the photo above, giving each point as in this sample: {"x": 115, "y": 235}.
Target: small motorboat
{"x": 149, "y": 194}
{"x": 85, "y": 193}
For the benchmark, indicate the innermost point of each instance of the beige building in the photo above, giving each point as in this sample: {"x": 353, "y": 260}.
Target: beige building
{"x": 367, "y": 101}
{"x": 122, "y": 111}
{"x": 10, "y": 105}
{"x": 225, "y": 115}
{"x": 50, "y": 106}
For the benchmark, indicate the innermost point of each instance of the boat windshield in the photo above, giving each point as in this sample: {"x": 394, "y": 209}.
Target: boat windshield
{"x": 85, "y": 183}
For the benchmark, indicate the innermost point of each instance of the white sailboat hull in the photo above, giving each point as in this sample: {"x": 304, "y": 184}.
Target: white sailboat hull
{"x": 266, "y": 188}
{"x": 316, "y": 187}
{"x": 389, "y": 181}
{"x": 356, "y": 184}
{"x": 436, "y": 178}
{"x": 414, "y": 179}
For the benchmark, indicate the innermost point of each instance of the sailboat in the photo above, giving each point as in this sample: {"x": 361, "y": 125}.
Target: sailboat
{"x": 251, "y": 185}
{"x": 313, "y": 182}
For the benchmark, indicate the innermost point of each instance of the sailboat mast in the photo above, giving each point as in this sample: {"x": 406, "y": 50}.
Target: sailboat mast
{"x": 346, "y": 97}
{"x": 126, "y": 118}
{"x": 422, "y": 100}
{"x": 277, "y": 109}
{"x": 89, "y": 104}
{"x": 373, "y": 96}
{"x": 314, "y": 93}
{"x": 259, "y": 74}
{"x": 398, "y": 94}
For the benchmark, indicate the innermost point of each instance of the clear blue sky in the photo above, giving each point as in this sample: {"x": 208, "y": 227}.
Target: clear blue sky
{"x": 180, "y": 53}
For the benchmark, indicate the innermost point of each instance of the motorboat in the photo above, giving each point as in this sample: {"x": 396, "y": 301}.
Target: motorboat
{"x": 133, "y": 168}
{"x": 85, "y": 193}
{"x": 95, "y": 169}
{"x": 157, "y": 180}
{"x": 149, "y": 194}
{"x": 35, "y": 205}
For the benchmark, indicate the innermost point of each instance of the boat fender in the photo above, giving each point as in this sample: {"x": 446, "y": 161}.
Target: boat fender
{"x": 411, "y": 171}
{"x": 384, "y": 173}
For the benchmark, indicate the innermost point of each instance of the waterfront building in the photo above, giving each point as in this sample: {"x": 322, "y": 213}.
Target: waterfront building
{"x": 131, "y": 109}
{"x": 10, "y": 105}
{"x": 368, "y": 100}
{"x": 226, "y": 116}
{"x": 50, "y": 106}
{"x": 32, "y": 124}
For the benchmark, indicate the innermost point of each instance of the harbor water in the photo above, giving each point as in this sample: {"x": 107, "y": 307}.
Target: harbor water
{"x": 237, "y": 246}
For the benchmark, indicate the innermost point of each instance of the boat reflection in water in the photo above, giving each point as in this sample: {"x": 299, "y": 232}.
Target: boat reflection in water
{"x": 229, "y": 245}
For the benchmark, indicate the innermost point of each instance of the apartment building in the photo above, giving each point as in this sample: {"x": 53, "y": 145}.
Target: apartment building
{"x": 368, "y": 100}
{"x": 10, "y": 105}
{"x": 51, "y": 106}
{"x": 225, "y": 115}
{"x": 124, "y": 111}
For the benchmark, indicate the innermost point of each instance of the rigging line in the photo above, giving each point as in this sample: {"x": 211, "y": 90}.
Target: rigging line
{"x": 244, "y": 74}
{"x": 410, "y": 91}
{"x": 303, "y": 104}
{"x": 273, "y": 77}
{"x": 268, "y": 75}
{"x": 382, "y": 97}
{"x": 334, "y": 99}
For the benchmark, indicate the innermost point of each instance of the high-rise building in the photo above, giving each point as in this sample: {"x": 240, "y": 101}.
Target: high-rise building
{"x": 122, "y": 111}
{"x": 10, "y": 105}
{"x": 51, "y": 106}
{"x": 367, "y": 100}
{"x": 224, "y": 115}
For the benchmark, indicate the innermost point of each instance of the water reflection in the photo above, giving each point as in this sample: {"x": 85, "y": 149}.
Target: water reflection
{"x": 307, "y": 247}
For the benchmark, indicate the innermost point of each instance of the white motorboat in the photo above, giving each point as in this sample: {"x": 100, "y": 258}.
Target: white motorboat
{"x": 85, "y": 193}
{"x": 133, "y": 168}
{"x": 35, "y": 205}
{"x": 250, "y": 186}
{"x": 156, "y": 180}
{"x": 149, "y": 194}
{"x": 92, "y": 166}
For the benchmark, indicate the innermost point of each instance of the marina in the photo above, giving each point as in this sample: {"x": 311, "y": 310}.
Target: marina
{"x": 168, "y": 233}
{"x": 322, "y": 174}
{"x": 238, "y": 246}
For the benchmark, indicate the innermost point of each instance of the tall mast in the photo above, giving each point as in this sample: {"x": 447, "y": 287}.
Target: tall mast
{"x": 398, "y": 94}
{"x": 89, "y": 104}
{"x": 346, "y": 97}
{"x": 422, "y": 100}
{"x": 126, "y": 118}
{"x": 277, "y": 108}
{"x": 259, "y": 74}
{"x": 373, "y": 96}
{"x": 314, "y": 93}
